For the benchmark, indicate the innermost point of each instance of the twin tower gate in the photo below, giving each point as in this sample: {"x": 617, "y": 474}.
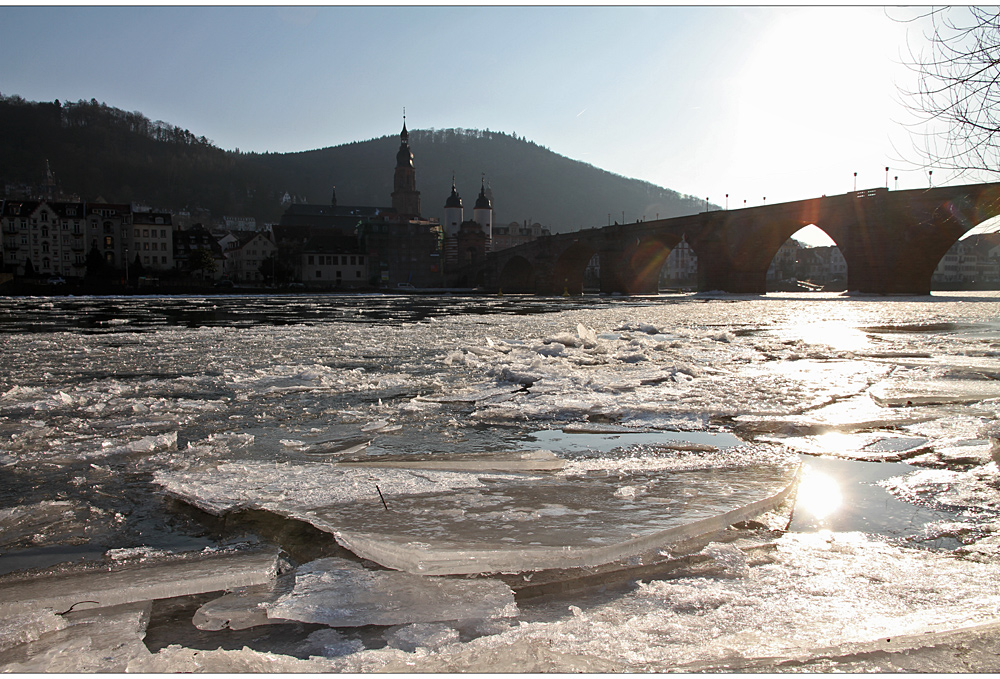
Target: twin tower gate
{"x": 892, "y": 242}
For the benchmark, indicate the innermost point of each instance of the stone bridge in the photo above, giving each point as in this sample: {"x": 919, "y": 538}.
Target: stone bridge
{"x": 892, "y": 242}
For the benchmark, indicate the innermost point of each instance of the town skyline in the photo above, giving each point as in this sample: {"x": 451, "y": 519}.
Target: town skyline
{"x": 765, "y": 104}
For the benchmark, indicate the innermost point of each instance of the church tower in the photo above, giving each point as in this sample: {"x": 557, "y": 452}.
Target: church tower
{"x": 405, "y": 197}
{"x": 482, "y": 213}
{"x": 454, "y": 213}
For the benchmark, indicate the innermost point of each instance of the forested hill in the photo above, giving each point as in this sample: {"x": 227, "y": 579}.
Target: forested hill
{"x": 97, "y": 151}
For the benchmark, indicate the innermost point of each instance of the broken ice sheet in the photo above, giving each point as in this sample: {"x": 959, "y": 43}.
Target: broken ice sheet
{"x": 871, "y": 447}
{"x": 161, "y": 579}
{"x": 429, "y": 635}
{"x": 440, "y": 523}
{"x": 243, "y": 608}
{"x": 340, "y": 593}
{"x": 936, "y": 391}
{"x": 93, "y": 640}
{"x": 530, "y": 460}
{"x": 46, "y": 523}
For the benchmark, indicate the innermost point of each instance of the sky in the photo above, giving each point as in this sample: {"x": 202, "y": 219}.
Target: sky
{"x": 741, "y": 105}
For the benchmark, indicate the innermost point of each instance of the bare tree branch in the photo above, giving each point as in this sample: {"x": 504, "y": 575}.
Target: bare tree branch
{"x": 957, "y": 94}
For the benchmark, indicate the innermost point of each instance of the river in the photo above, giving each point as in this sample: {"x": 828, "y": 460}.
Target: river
{"x": 106, "y": 404}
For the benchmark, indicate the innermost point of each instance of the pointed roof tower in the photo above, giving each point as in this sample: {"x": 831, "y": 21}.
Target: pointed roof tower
{"x": 483, "y": 202}
{"x": 405, "y": 197}
{"x": 454, "y": 200}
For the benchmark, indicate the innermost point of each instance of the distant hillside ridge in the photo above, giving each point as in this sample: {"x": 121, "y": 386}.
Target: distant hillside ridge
{"x": 97, "y": 151}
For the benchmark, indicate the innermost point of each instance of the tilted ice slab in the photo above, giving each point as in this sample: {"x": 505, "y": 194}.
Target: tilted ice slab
{"x": 441, "y": 523}
{"x": 340, "y": 593}
{"x": 95, "y": 640}
{"x": 521, "y": 461}
{"x": 77, "y": 590}
{"x": 938, "y": 391}
{"x": 243, "y": 608}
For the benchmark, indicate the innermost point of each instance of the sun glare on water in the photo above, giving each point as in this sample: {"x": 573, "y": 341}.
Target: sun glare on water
{"x": 819, "y": 494}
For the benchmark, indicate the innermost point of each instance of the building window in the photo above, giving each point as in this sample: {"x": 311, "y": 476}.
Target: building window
{"x": 319, "y": 274}
{"x": 109, "y": 241}
{"x": 361, "y": 261}
{"x": 311, "y": 261}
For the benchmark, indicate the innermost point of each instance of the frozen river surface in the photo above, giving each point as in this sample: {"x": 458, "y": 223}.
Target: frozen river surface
{"x": 160, "y": 452}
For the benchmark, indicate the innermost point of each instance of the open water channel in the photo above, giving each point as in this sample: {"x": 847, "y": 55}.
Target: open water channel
{"x": 136, "y": 429}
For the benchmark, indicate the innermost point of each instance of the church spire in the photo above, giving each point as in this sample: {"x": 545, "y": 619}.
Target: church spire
{"x": 405, "y": 197}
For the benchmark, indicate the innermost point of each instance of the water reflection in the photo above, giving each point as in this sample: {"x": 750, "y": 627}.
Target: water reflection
{"x": 844, "y": 496}
{"x": 819, "y": 494}
{"x": 839, "y": 335}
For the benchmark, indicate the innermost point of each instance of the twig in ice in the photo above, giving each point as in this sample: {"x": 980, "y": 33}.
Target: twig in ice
{"x": 383, "y": 499}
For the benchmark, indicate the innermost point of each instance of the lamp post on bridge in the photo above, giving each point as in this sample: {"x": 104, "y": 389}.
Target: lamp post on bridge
{"x": 930, "y": 184}
{"x": 727, "y": 201}
{"x": 886, "y": 177}
{"x": 897, "y": 181}
{"x": 855, "y": 181}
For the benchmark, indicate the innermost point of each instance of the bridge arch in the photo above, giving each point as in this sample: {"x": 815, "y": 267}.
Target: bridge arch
{"x": 809, "y": 260}
{"x": 968, "y": 260}
{"x": 641, "y": 263}
{"x": 569, "y": 268}
{"x": 517, "y": 276}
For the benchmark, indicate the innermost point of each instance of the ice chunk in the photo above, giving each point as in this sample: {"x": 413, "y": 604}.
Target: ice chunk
{"x": 95, "y": 640}
{"x": 530, "y": 460}
{"x": 916, "y": 392}
{"x": 48, "y": 523}
{"x": 330, "y": 643}
{"x": 20, "y": 629}
{"x": 500, "y": 522}
{"x": 340, "y": 593}
{"x": 142, "y": 582}
{"x": 293, "y": 489}
{"x": 243, "y": 608}
{"x": 873, "y": 447}
{"x": 177, "y": 659}
{"x": 429, "y": 635}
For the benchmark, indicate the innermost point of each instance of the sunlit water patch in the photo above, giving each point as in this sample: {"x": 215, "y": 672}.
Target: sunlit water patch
{"x": 845, "y": 496}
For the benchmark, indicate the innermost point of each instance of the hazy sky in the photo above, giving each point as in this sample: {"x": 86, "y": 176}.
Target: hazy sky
{"x": 777, "y": 102}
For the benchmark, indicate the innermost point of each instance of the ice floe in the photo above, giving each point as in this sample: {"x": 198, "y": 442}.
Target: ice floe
{"x": 82, "y": 589}
{"x": 340, "y": 593}
{"x": 438, "y": 523}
